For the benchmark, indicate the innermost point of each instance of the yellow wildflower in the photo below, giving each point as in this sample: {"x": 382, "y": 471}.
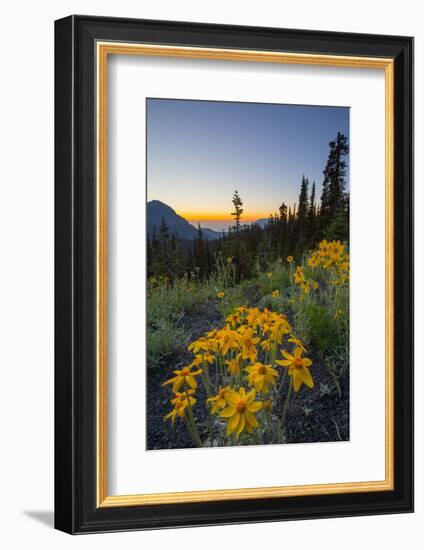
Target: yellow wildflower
{"x": 267, "y": 405}
{"x": 255, "y": 317}
{"x": 219, "y": 400}
{"x": 183, "y": 376}
{"x": 298, "y": 343}
{"x": 305, "y": 287}
{"x": 233, "y": 319}
{"x": 220, "y": 294}
{"x": 208, "y": 358}
{"x": 240, "y": 412}
{"x": 198, "y": 360}
{"x": 242, "y": 309}
{"x": 261, "y": 376}
{"x": 199, "y": 345}
{"x": 181, "y": 402}
{"x": 299, "y": 276}
{"x": 298, "y": 368}
{"x": 229, "y": 260}
{"x": 248, "y": 342}
{"x": 338, "y": 313}
{"x": 227, "y": 339}
{"x": 269, "y": 274}
{"x": 290, "y": 259}
{"x": 234, "y": 365}
{"x": 277, "y": 332}
{"x": 266, "y": 345}
{"x": 276, "y": 293}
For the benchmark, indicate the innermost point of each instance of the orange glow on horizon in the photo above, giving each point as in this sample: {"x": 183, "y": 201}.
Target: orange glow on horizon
{"x": 217, "y": 217}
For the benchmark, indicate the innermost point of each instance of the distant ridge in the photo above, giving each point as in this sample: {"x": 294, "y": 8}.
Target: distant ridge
{"x": 158, "y": 211}
{"x": 262, "y": 222}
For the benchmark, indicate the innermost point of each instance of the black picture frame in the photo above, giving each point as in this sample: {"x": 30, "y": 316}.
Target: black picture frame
{"x": 76, "y": 510}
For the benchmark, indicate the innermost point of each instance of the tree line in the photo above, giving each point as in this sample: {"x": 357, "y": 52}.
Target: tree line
{"x": 291, "y": 230}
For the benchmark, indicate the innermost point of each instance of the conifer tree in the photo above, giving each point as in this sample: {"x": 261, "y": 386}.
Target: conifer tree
{"x": 163, "y": 231}
{"x": 283, "y": 213}
{"x": 312, "y": 207}
{"x": 312, "y": 212}
{"x": 283, "y": 230}
{"x": 302, "y": 211}
{"x": 238, "y": 210}
{"x": 334, "y": 204}
{"x": 164, "y": 257}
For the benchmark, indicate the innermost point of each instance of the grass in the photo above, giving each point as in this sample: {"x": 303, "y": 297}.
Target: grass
{"x": 166, "y": 306}
{"x": 163, "y": 340}
{"x": 277, "y": 277}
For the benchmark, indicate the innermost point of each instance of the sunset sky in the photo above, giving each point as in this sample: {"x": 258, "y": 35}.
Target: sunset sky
{"x": 199, "y": 152}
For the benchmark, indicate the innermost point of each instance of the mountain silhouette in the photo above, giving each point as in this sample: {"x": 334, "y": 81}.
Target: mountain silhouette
{"x": 158, "y": 211}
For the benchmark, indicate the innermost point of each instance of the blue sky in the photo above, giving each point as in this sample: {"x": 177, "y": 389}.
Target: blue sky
{"x": 199, "y": 152}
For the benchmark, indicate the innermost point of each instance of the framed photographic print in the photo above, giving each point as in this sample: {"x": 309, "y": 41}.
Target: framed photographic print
{"x": 233, "y": 272}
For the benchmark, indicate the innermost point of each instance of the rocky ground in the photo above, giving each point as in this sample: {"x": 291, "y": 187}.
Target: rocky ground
{"x": 317, "y": 415}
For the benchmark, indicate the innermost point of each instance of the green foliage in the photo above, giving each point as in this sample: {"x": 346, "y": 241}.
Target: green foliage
{"x": 166, "y": 306}
{"x": 225, "y": 271}
{"x": 163, "y": 340}
{"x": 238, "y": 210}
{"x": 168, "y": 302}
{"x": 233, "y": 297}
{"x": 338, "y": 226}
{"x": 334, "y": 210}
{"x": 321, "y": 318}
{"x": 276, "y": 278}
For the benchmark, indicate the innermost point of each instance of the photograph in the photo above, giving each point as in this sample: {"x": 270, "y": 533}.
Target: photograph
{"x": 247, "y": 292}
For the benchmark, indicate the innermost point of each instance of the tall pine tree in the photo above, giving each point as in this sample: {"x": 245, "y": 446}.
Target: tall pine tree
{"x": 302, "y": 211}
{"x": 238, "y": 210}
{"x": 334, "y": 211}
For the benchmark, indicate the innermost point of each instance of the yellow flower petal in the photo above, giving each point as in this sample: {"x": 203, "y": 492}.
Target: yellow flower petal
{"x": 251, "y": 419}
{"x": 170, "y": 381}
{"x": 298, "y": 353}
{"x": 250, "y": 397}
{"x": 240, "y": 426}
{"x": 284, "y": 362}
{"x": 307, "y": 378}
{"x": 177, "y": 384}
{"x": 233, "y": 423}
{"x": 297, "y": 379}
{"x": 232, "y": 399}
{"x": 255, "y": 407}
{"x": 191, "y": 381}
{"x": 227, "y": 412}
